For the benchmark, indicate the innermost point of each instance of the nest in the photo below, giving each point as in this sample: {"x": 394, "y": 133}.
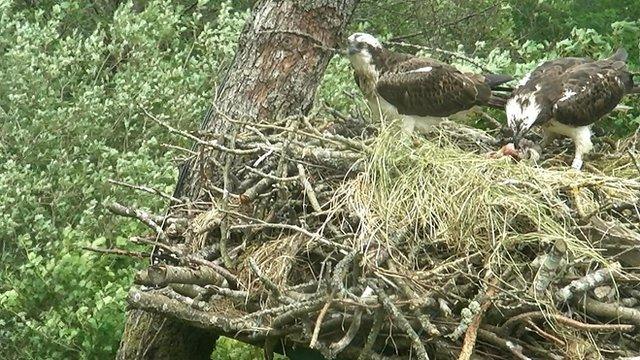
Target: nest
{"x": 327, "y": 234}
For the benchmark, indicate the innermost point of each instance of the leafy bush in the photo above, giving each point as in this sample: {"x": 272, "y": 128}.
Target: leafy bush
{"x": 71, "y": 105}
{"x": 75, "y": 77}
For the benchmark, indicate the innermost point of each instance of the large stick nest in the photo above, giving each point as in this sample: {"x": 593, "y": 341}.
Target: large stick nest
{"x": 372, "y": 244}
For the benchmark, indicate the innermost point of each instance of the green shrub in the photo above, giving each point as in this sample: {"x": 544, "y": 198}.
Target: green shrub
{"x": 75, "y": 77}
{"x": 71, "y": 102}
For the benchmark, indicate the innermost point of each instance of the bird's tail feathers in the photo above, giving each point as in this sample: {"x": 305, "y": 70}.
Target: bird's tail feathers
{"x": 620, "y": 55}
{"x": 497, "y": 102}
{"x": 493, "y": 80}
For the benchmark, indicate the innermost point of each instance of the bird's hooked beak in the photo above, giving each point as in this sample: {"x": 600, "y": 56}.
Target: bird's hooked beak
{"x": 351, "y": 48}
{"x": 519, "y": 133}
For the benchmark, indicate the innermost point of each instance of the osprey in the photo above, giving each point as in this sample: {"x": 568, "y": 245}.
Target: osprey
{"x": 418, "y": 90}
{"x": 565, "y": 96}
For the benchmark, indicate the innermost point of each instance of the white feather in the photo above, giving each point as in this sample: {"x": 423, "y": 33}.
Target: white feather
{"x": 362, "y": 64}
{"x": 365, "y": 38}
{"x": 568, "y": 93}
{"x": 425, "y": 69}
{"x": 522, "y": 116}
{"x": 581, "y": 136}
{"x": 524, "y": 80}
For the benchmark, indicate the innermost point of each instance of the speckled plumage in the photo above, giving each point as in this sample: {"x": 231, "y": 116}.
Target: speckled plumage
{"x": 414, "y": 88}
{"x": 567, "y": 95}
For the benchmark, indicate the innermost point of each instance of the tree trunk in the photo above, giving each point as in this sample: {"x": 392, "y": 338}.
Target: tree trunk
{"x": 282, "y": 54}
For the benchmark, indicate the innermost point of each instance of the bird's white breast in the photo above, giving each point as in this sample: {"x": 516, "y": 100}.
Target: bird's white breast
{"x": 524, "y": 109}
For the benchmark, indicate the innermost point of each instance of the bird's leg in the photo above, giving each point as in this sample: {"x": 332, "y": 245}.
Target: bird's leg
{"x": 582, "y": 140}
{"x": 408, "y": 124}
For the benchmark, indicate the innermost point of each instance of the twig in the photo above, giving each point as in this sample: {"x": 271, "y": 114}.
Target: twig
{"x": 340, "y": 272}
{"x": 161, "y": 275}
{"x": 508, "y": 325}
{"x": 446, "y": 52}
{"x": 472, "y": 331}
{"x": 213, "y": 144}
{"x": 510, "y": 346}
{"x": 232, "y": 279}
{"x": 321, "y": 315}
{"x": 180, "y": 148}
{"x": 354, "y": 327}
{"x": 270, "y": 285}
{"x": 269, "y": 176}
{"x": 373, "y": 335}
{"x": 314, "y": 236}
{"x": 493, "y": 122}
{"x": 120, "y": 252}
{"x": 311, "y": 194}
{"x": 545, "y": 334}
{"x": 143, "y": 216}
{"x": 614, "y": 312}
{"x": 224, "y": 224}
{"x": 401, "y": 322}
{"x": 634, "y": 160}
{"x": 146, "y": 189}
{"x": 549, "y": 268}
{"x": 587, "y": 282}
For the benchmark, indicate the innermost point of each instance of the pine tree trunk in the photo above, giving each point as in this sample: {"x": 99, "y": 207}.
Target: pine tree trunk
{"x": 282, "y": 54}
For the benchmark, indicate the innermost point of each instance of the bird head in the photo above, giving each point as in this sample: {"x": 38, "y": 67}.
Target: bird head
{"x": 522, "y": 113}
{"x": 361, "y": 50}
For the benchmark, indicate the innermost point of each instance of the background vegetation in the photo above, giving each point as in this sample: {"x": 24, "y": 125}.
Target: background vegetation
{"x": 76, "y": 77}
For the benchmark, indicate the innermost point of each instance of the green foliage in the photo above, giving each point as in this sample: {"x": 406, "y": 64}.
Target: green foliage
{"x": 71, "y": 101}
{"x": 75, "y": 76}
{"x": 229, "y": 349}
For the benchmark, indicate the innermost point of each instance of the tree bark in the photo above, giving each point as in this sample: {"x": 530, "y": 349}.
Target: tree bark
{"x": 282, "y": 53}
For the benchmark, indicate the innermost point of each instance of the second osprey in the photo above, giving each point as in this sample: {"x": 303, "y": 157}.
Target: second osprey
{"x": 420, "y": 91}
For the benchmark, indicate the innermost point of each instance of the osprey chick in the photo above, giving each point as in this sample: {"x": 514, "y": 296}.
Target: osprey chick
{"x": 566, "y": 96}
{"x": 420, "y": 91}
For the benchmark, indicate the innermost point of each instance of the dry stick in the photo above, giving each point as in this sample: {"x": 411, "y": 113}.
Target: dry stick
{"x": 301, "y": 308}
{"x": 612, "y": 311}
{"x": 236, "y": 294}
{"x": 545, "y": 334}
{"x": 232, "y": 279}
{"x": 493, "y": 122}
{"x": 224, "y": 224}
{"x": 508, "y": 325}
{"x": 314, "y": 236}
{"x": 321, "y": 315}
{"x": 472, "y": 331}
{"x": 510, "y": 346}
{"x": 588, "y": 282}
{"x": 165, "y": 274}
{"x": 373, "y": 335}
{"x": 180, "y": 148}
{"x": 282, "y": 309}
{"x": 213, "y": 144}
{"x": 311, "y": 194}
{"x": 340, "y": 272}
{"x": 401, "y": 322}
{"x": 120, "y": 252}
{"x": 143, "y": 216}
{"x": 269, "y": 176}
{"x": 270, "y": 285}
{"x": 145, "y": 189}
{"x": 410, "y": 295}
{"x": 549, "y": 268}
{"x": 169, "y": 248}
{"x": 158, "y": 303}
{"x": 354, "y": 327}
